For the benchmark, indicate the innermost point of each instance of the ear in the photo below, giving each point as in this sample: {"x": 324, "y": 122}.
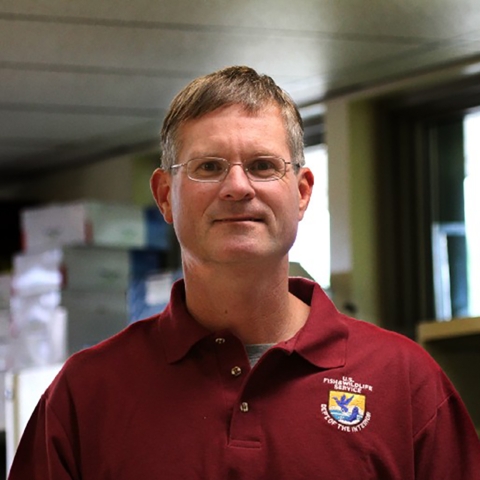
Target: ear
{"x": 160, "y": 184}
{"x": 305, "y": 187}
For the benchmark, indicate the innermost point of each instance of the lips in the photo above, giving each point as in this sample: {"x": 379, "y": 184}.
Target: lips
{"x": 238, "y": 219}
{"x": 237, "y": 215}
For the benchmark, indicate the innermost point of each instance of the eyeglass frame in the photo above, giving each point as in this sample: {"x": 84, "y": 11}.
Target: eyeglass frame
{"x": 230, "y": 165}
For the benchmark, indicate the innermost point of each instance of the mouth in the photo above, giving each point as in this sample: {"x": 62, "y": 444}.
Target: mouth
{"x": 237, "y": 220}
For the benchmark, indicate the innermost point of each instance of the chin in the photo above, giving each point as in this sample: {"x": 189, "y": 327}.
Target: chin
{"x": 252, "y": 256}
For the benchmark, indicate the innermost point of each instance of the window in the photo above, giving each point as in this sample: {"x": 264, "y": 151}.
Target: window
{"x": 456, "y": 218}
{"x": 312, "y": 246}
{"x": 472, "y": 209}
{"x": 429, "y": 216}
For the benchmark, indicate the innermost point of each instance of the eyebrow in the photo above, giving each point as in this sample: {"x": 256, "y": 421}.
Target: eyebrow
{"x": 259, "y": 153}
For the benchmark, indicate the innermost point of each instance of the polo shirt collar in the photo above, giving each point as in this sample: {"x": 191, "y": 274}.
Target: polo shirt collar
{"x": 322, "y": 340}
{"x": 179, "y": 331}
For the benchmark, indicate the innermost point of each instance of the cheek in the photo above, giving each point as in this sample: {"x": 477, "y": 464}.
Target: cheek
{"x": 183, "y": 225}
{"x": 293, "y": 214}
{"x": 181, "y": 214}
{"x": 179, "y": 206}
{"x": 284, "y": 205}
{"x": 294, "y": 205}
{"x": 188, "y": 206}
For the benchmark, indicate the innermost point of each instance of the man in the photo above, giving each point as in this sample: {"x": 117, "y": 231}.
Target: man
{"x": 247, "y": 374}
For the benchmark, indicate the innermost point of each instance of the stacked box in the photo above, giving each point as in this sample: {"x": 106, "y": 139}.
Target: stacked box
{"x": 109, "y": 269}
{"x": 37, "y": 321}
{"x": 98, "y": 285}
{"x": 44, "y": 281}
{"x": 84, "y": 223}
{"x": 38, "y": 330}
{"x": 83, "y": 268}
{"x": 93, "y": 316}
{"x": 37, "y": 273}
{"x": 89, "y": 264}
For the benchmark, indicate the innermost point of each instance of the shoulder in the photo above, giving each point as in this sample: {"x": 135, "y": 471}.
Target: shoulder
{"x": 375, "y": 339}
{"x": 400, "y": 362}
{"x": 136, "y": 337}
{"x": 112, "y": 360}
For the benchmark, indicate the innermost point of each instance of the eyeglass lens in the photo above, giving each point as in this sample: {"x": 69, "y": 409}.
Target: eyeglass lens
{"x": 216, "y": 169}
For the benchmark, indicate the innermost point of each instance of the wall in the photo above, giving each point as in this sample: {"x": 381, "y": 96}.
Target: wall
{"x": 350, "y": 140}
{"x": 337, "y": 139}
{"x": 363, "y": 211}
{"x": 120, "y": 179}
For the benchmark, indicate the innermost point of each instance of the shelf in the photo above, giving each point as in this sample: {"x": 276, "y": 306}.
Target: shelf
{"x": 457, "y": 327}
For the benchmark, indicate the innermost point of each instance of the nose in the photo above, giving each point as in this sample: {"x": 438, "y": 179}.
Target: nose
{"x": 236, "y": 185}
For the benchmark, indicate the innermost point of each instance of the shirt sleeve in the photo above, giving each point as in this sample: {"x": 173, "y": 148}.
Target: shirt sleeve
{"x": 45, "y": 451}
{"x": 447, "y": 447}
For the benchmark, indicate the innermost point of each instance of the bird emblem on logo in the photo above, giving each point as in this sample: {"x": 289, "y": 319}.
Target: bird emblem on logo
{"x": 343, "y": 402}
{"x": 346, "y": 409}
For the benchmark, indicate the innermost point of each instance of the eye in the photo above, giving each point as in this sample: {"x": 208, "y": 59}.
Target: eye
{"x": 265, "y": 167}
{"x": 206, "y": 167}
{"x": 261, "y": 164}
{"x": 211, "y": 166}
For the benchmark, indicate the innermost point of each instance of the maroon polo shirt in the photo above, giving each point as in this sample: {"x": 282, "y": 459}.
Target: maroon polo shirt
{"x": 167, "y": 399}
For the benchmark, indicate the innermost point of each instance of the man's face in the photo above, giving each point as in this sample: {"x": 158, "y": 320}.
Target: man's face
{"x": 236, "y": 220}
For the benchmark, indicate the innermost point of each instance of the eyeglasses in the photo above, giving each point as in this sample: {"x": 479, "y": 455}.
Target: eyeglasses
{"x": 212, "y": 169}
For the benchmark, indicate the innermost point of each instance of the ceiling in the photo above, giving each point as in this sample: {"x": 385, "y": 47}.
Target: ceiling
{"x": 81, "y": 80}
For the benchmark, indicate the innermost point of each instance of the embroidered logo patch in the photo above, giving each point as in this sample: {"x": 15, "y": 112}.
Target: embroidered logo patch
{"x": 346, "y": 407}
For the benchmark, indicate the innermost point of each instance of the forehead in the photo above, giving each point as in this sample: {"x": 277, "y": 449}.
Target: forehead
{"x": 232, "y": 128}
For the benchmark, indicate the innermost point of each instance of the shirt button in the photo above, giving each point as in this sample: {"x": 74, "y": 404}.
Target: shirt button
{"x": 244, "y": 407}
{"x": 236, "y": 371}
{"x": 220, "y": 340}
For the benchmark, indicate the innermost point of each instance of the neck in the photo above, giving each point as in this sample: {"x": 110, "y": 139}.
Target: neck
{"x": 253, "y": 303}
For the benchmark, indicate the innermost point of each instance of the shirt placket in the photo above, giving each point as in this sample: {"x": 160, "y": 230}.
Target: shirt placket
{"x": 244, "y": 420}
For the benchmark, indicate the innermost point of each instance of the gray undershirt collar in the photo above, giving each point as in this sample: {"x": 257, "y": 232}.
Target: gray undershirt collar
{"x": 256, "y": 350}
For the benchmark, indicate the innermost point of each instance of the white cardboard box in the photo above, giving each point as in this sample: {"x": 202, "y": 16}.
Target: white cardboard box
{"x": 108, "y": 269}
{"x": 38, "y": 330}
{"x": 47, "y": 328}
{"x": 88, "y": 222}
{"x": 83, "y": 268}
{"x": 36, "y": 273}
{"x": 93, "y": 316}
